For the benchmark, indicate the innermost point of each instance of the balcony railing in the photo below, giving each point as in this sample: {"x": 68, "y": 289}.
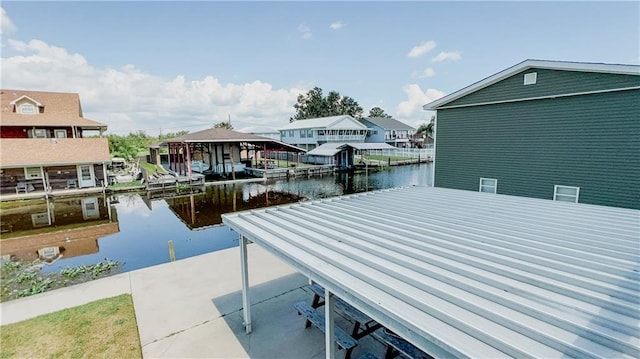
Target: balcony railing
{"x": 340, "y": 138}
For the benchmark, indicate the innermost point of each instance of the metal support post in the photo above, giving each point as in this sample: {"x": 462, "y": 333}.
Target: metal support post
{"x": 246, "y": 304}
{"x": 329, "y": 303}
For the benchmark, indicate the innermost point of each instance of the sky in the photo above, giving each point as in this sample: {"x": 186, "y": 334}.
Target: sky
{"x": 162, "y": 67}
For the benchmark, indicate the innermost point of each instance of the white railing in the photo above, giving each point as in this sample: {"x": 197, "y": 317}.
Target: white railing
{"x": 340, "y": 138}
{"x": 404, "y": 152}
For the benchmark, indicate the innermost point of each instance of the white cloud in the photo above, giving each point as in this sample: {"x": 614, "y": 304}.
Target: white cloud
{"x": 305, "y": 31}
{"x": 428, "y": 72}
{"x": 128, "y": 99}
{"x": 422, "y": 49}
{"x": 337, "y": 25}
{"x": 6, "y": 25}
{"x": 453, "y": 56}
{"x": 411, "y": 110}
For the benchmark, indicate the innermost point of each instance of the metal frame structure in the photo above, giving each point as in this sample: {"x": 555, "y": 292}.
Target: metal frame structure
{"x": 466, "y": 274}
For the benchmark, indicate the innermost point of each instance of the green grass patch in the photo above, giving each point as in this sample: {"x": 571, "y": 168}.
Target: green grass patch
{"x": 106, "y": 328}
{"x": 20, "y": 279}
{"x": 126, "y": 185}
{"x": 19, "y": 203}
{"x": 151, "y": 168}
{"x": 386, "y": 158}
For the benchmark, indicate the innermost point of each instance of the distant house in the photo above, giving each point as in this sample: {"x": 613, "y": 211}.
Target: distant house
{"x": 389, "y": 130}
{"x": 559, "y": 130}
{"x": 45, "y": 143}
{"x": 311, "y": 133}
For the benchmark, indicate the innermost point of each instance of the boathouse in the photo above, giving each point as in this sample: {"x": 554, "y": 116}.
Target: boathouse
{"x": 217, "y": 151}
{"x": 565, "y": 131}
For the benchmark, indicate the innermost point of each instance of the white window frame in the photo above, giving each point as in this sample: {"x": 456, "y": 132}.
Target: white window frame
{"x": 60, "y": 131}
{"x": 33, "y": 110}
{"x": 531, "y": 78}
{"x": 40, "y": 219}
{"x": 557, "y": 195}
{"x": 494, "y": 185}
{"x": 291, "y": 133}
{"x": 30, "y": 173}
{"x": 39, "y": 133}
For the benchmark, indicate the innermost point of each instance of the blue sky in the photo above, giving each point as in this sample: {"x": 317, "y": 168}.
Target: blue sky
{"x": 175, "y": 65}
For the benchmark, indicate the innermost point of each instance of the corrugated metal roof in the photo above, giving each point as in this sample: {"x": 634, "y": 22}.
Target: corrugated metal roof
{"x": 347, "y": 123}
{"x": 326, "y": 149}
{"x": 469, "y": 274}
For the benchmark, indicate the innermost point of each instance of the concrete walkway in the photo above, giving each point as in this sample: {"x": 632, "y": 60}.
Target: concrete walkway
{"x": 191, "y": 308}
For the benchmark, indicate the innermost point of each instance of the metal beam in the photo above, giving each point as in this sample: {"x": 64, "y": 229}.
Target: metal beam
{"x": 246, "y": 304}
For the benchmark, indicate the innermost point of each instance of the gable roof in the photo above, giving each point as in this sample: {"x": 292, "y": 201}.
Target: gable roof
{"x": 25, "y": 97}
{"x": 324, "y": 122}
{"x": 60, "y": 109}
{"x": 222, "y": 135}
{"x": 541, "y": 64}
{"x": 388, "y": 123}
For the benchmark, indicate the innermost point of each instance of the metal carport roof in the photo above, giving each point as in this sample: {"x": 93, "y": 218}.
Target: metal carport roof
{"x": 469, "y": 274}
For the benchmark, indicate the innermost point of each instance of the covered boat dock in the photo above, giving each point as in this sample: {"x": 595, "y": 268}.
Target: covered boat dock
{"x": 217, "y": 151}
{"x": 465, "y": 274}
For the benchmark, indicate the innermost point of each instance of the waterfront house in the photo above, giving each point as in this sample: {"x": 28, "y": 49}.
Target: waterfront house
{"x": 48, "y": 144}
{"x": 311, "y": 133}
{"x": 565, "y": 131}
{"x": 388, "y": 130}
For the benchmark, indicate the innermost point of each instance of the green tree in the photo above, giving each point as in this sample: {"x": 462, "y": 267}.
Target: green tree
{"x": 378, "y": 112}
{"x": 314, "y": 104}
{"x": 226, "y": 125}
{"x": 129, "y": 146}
{"x": 427, "y": 128}
{"x": 169, "y": 135}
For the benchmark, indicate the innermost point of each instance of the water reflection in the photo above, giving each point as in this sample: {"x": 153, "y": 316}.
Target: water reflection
{"x": 51, "y": 229}
{"x": 206, "y": 209}
{"x": 135, "y": 229}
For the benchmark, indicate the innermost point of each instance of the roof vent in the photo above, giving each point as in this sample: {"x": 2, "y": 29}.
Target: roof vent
{"x": 530, "y": 78}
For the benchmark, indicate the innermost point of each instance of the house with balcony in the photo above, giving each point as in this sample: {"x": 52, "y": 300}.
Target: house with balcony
{"x": 46, "y": 143}
{"x": 566, "y": 131}
{"x": 311, "y": 133}
{"x": 389, "y": 130}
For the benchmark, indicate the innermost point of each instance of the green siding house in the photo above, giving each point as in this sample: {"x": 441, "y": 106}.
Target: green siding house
{"x": 545, "y": 129}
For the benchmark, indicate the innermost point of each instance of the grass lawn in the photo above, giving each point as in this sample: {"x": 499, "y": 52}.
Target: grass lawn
{"x": 106, "y": 328}
{"x": 386, "y": 158}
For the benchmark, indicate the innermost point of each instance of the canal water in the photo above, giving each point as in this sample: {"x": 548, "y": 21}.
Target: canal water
{"x": 135, "y": 229}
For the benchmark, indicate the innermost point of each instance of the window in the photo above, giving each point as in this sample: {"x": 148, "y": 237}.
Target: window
{"x": 27, "y": 109}
{"x": 303, "y": 133}
{"x": 290, "y": 133}
{"x": 488, "y": 185}
{"x": 310, "y": 133}
{"x": 566, "y": 193}
{"x": 61, "y": 133}
{"x": 39, "y": 133}
{"x": 40, "y": 219}
{"x": 33, "y": 172}
{"x": 284, "y": 133}
{"x": 530, "y": 78}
